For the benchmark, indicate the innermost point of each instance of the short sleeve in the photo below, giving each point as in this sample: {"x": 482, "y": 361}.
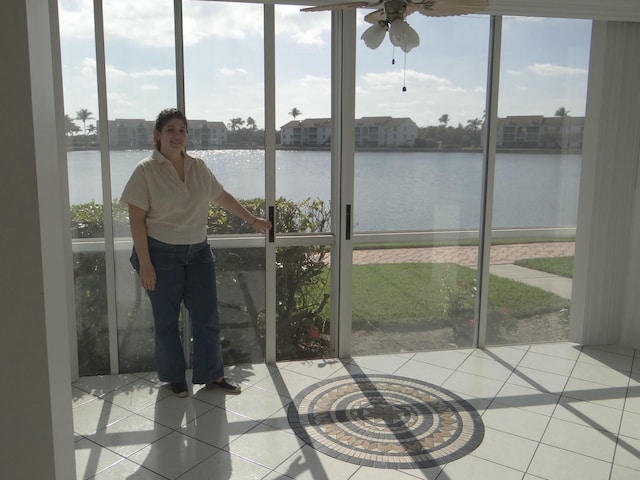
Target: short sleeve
{"x": 136, "y": 191}
{"x": 215, "y": 186}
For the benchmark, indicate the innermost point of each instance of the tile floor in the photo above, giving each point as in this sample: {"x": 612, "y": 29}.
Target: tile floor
{"x": 550, "y": 411}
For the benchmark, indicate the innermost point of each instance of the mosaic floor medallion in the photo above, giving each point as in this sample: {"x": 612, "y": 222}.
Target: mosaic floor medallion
{"x": 385, "y": 421}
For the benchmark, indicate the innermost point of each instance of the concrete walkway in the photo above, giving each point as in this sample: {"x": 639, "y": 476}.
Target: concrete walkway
{"x": 501, "y": 262}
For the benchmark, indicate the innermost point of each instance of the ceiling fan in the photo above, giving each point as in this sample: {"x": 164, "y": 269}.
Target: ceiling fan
{"x": 391, "y": 17}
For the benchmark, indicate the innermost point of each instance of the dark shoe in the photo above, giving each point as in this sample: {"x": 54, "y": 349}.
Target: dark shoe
{"x": 180, "y": 389}
{"x": 226, "y": 386}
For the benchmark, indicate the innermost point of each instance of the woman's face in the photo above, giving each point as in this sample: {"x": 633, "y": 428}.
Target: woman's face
{"x": 173, "y": 136}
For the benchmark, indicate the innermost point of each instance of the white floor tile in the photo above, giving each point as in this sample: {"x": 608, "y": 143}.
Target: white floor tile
{"x": 369, "y": 473}
{"x": 474, "y": 467}
{"x": 318, "y": 369}
{"x": 218, "y": 427}
{"x": 129, "y": 435}
{"x": 174, "y": 412}
{"x": 100, "y": 384}
{"x": 449, "y": 359}
{"x": 93, "y": 416}
{"x": 606, "y": 359}
{"x": 516, "y": 421}
{"x": 580, "y": 439}
{"x": 223, "y": 465}
{"x": 528, "y": 399}
{"x": 80, "y": 397}
{"x": 138, "y": 394}
{"x": 248, "y": 436}
{"x": 564, "y": 350}
{"x": 505, "y": 449}
{"x": 255, "y": 403}
{"x": 287, "y": 383}
{"x": 619, "y": 349}
{"x": 599, "y": 374}
{"x": 424, "y": 372}
{"x": 485, "y": 367}
{"x": 613, "y": 397}
{"x": 547, "y": 363}
{"x": 588, "y": 414}
{"x": 379, "y": 363}
{"x": 173, "y": 455}
{"x": 632, "y": 403}
{"x": 250, "y": 374}
{"x": 508, "y": 355}
{"x": 265, "y": 445}
{"x": 543, "y": 381}
{"x": 309, "y": 464}
{"x": 628, "y": 453}
{"x": 127, "y": 470}
{"x": 554, "y": 463}
{"x": 91, "y": 458}
{"x": 619, "y": 472}
{"x": 481, "y": 387}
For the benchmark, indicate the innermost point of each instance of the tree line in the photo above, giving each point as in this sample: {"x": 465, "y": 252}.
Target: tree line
{"x": 246, "y": 132}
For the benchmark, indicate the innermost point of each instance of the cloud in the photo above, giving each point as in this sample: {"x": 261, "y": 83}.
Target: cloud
{"x": 230, "y": 72}
{"x": 547, "y": 70}
{"x": 304, "y": 28}
{"x": 146, "y": 23}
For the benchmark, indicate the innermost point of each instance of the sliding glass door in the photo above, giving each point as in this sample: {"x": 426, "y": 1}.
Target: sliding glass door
{"x": 417, "y": 189}
{"x": 385, "y": 175}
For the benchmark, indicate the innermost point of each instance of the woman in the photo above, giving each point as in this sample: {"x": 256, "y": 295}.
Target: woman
{"x": 168, "y": 196}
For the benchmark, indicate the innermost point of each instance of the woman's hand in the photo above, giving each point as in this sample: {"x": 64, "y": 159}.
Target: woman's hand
{"x": 148, "y": 277}
{"x": 261, "y": 225}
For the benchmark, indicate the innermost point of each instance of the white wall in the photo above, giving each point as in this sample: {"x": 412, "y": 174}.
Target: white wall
{"x": 35, "y": 403}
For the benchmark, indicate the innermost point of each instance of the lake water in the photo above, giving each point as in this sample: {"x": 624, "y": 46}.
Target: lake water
{"x": 393, "y": 190}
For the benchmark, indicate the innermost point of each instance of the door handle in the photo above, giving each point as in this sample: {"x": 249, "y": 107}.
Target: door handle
{"x": 347, "y": 222}
{"x": 272, "y": 219}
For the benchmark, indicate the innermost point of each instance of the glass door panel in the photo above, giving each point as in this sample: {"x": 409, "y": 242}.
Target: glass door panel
{"x": 141, "y": 81}
{"x": 85, "y": 186}
{"x": 541, "y": 107}
{"x": 418, "y": 176}
{"x": 224, "y": 101}
{"x": 303, "y": 182}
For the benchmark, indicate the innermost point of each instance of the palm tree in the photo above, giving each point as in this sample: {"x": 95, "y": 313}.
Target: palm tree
{"x": 83, "y": 115}
{"x": 295, "y": 112}
{"x": 561, "y": 112}
{"x": 444, "y": 119}
{"x": 474, "y": 124}
{"x": 69, "y": 126}
{"x": 235, "y": 123}
{"x": 251, "y": 123}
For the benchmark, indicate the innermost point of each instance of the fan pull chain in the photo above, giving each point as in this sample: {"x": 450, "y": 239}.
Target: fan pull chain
{"x": 393, "y": 55}
{"x": 404, "y": 74}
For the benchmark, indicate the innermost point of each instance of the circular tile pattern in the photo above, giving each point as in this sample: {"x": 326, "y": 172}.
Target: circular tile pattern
{"x": 385, "y": 421}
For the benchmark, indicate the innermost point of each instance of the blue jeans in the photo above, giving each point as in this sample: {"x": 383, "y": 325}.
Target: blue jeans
{"x": 185, "y": 273}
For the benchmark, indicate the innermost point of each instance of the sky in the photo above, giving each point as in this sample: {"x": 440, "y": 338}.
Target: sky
{"x": 544, "y": 64}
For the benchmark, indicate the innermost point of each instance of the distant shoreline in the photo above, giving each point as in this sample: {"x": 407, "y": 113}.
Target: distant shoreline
{"x": 358, "y": 149}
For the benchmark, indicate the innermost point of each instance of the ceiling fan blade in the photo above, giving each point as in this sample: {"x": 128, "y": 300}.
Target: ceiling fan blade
{"x": 444, "y": 8}
{"x": 376, "y": 16}
{"x": 341, "y": 6}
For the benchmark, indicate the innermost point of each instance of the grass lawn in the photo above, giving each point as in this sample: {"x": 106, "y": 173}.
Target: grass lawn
{"x": 562, "y": 266}
{"x": 413, "y": 292}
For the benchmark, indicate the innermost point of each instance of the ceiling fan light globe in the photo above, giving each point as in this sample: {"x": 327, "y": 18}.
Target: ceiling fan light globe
{"x": 403, "y": 36}
{"x": 374, "y": 35}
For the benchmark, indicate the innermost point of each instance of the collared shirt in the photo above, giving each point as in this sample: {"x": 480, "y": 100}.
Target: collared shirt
{"x": 177, "y": 211}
